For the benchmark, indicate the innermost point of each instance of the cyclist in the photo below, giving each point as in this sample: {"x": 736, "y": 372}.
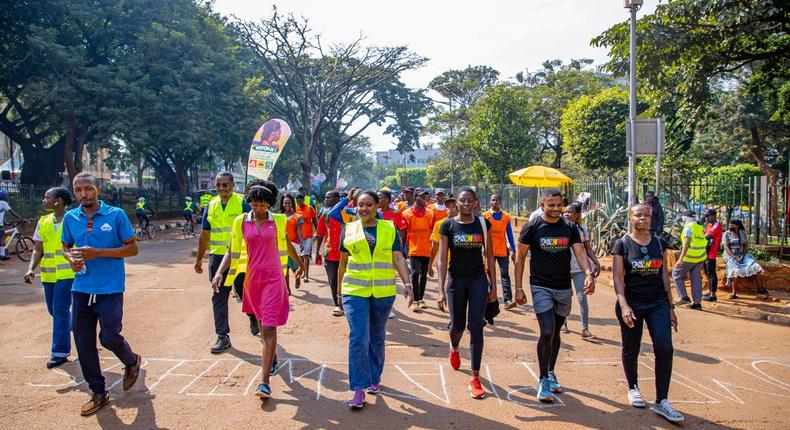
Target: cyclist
{"x": 189, "y": 210}
{"x": 142, "y": 217}
{"x": 5, "y": 207}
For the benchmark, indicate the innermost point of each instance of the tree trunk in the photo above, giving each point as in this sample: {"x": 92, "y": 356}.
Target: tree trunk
{"x": 68, "y": 148}
{"x": 756, "y": 148}
{"x": 138, "y": 164}
{"x": 181, "y": 178}
{"x": 42, "y": 166}
{"x": 557, "y": 163}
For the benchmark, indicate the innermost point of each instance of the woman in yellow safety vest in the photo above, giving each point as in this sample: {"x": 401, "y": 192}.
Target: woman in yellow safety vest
{"x": 370, "y": 255}
{"x": 56, "y": 273}
{"x": 259, "y": 247}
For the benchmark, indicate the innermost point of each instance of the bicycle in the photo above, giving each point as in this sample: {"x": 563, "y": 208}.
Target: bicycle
{"x": 150, "y": 231}
{"x": 189, "y": 230}
{"x": 24, "y": 244}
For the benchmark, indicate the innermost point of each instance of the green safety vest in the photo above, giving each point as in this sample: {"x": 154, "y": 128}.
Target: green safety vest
{"x": 140, "y": 206}
{"x": 308, "y": 200}
{"x": 54, "y": 266}
{"x": 188, "y": 207}
{"x": 204, "y": 200}
{"x": 369, "y": 275}
{"x": 221, "y": 221}
{"x": 697, "y": 252}
{"x": 238, "y": 247}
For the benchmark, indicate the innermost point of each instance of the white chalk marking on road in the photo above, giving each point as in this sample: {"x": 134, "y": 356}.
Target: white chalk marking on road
{"x": 757, "y": 368}
{"x": 252, "y": 381}
{"x": 741, "y": 387}
{"x": 225, "y": 379}
{"x": 200, "y": 375}
{"x": 537, "y": 379}
{"x": 401, "y": 396}
{"x": 164, "y": 375}
{"x": 713, "y": 400}
{"x": 444, "y": 383}
{"x": 767, "y": 381}
{"x": 491, "y": 384}
{"x": 446, "y": 400}
{"x": 291, "y": 377}
{"x": 320, "y": 380}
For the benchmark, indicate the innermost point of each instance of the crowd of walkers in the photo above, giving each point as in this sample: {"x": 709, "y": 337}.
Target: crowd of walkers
{"x": 365, "y": 240}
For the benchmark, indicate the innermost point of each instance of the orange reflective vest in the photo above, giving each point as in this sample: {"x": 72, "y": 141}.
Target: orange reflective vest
{"x": 418, "y": 232}
{"x": 498, "y": 232}
{"x": 438, "y": 214}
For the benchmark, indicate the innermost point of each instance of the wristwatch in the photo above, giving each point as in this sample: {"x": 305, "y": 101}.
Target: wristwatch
{"x": 589, "y": 272}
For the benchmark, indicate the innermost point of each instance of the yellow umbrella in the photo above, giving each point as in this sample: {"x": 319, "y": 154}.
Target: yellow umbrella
{"x": 539, "y": 176}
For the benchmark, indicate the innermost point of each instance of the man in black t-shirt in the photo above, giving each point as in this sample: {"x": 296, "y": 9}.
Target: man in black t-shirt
{"x": 551, "y": 240}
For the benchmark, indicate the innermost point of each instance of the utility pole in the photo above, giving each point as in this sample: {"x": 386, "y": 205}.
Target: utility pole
{"x": 633, "y": 5}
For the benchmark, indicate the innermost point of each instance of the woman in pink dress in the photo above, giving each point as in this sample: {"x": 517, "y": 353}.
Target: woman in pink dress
{"x": 265, "y": 292}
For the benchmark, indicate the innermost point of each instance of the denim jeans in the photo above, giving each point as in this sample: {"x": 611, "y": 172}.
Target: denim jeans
{"x": 58, "y": 298}
{"x": 367, "y": 321}
{"x": 584, "y": 310}
{"x": 656, "y": 314}
{"x": 504, "y": 266}
{"x": 694, "y": 271}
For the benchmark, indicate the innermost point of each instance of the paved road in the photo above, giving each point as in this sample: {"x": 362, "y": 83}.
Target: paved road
{"x": 729, "y": 373}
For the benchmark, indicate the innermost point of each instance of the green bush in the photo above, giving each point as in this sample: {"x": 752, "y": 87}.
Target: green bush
{"x": 760, "y": 254}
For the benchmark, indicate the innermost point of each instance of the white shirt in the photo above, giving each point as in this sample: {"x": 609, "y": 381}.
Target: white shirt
{"x": 4, "y": 207}
{"x": 585, "y": 236}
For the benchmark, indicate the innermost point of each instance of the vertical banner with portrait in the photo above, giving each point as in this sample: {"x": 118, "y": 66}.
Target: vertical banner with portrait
{"x": 267, "y": 145}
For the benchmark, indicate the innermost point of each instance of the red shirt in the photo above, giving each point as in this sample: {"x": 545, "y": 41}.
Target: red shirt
{"x": 396, "y": 218}
{"x": 308, "y": 217}
{"x": 715, "y": 231}
{"x": 331, "y": 235}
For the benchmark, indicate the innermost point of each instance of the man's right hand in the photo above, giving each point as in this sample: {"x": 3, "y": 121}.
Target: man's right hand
{"x": 199, "y": 266}
{"x": 29, "y": 276}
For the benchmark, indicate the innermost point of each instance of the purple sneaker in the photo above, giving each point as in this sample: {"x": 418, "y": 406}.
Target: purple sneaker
{"x": 358, "y": 401}
{"x": 374, "y": 389}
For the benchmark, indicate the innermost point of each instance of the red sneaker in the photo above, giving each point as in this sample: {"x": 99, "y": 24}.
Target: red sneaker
{"x": 476, "y": 389}
{"x": 455, "y": 359}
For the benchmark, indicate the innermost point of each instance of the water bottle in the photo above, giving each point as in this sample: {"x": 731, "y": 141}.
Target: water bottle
{"x": 84, "y": 269}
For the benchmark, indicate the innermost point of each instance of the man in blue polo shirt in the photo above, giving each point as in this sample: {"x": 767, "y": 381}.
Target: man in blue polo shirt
{"x": 96, "y": 238}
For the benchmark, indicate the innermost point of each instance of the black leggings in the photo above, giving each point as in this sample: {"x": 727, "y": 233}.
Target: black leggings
{"x": 331, "y": 274}
{"x": 713, "y": 277}
{"x": 471, "y": 294}
{"x": 549, "y": 341}
{"x": 419, "y": 275}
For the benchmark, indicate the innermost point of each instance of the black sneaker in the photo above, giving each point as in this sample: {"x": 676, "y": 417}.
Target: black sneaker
{"x": 56, "y": 361}
{"x": 695, "y": 306}
{"x": 709, "y": 297}
{"x": 683, "y": 301}
{"x": 223, "y": 343}
{"x": 254, "y": 329}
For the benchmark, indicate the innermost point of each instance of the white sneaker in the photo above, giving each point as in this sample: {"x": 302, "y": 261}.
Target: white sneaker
{"x": 667, "y": 411}
{"x": 392, "y": 315}
{"x": 423, "y": 305}
{"x": 635, "y": 398}
{"x": 337, "y": 311}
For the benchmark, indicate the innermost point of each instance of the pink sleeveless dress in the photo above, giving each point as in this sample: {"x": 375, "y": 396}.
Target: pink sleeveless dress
{"x": 265, "y": 293}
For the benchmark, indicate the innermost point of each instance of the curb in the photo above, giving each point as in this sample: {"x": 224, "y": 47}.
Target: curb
{"x": 163, "y": 227}
{"x": 746, "y": 313}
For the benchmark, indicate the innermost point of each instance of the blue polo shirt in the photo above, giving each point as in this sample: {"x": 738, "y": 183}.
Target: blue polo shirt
{"x": 110, "y": 228}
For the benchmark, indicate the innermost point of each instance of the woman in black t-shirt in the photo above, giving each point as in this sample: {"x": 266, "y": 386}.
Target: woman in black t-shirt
{"x": 469, "y": 286}
{"x": 643, "y": 296}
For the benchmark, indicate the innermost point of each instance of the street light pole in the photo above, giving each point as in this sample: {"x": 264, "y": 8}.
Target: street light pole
{"x": 633, "y": 5}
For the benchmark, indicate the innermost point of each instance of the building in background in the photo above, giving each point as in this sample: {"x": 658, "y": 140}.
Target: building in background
{"x": 416, "y": 158}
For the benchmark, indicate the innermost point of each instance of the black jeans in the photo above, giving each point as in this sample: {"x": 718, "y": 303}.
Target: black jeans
{"x": 656, "y": 314}
{"x": 331, "y": 274}
{"x": 107, "y": 311}
{"x": 504, "y": 267}
{"x": 710, "y": 273}
{"x": 219, "y": 300}
{"x": 419, "y": 275}
{"x": 468, "y": 294}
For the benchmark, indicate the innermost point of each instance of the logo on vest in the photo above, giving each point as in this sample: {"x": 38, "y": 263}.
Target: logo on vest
{"x": 106, "y": 227}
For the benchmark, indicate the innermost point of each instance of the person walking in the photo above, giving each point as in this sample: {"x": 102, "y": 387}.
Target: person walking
{"x": 371, "y": 255}
{"x": 657, "y": 214}
{"x": 436, "y": 235}
{"x": 408, "y": 199}
{"x": 644, "y": 296}
{"x": 218, "y": 219}
{"x": 419, "y": 224}
{"x": 467, "y": 239}
{"x": 56, "y": 274}
{"x": 328, "y": 234}
{"x": 261, "y": 233}
{"x": 309, "y": 222}
{"x": 551, "y": 241}
{"x": 293, "y": 230}
{"x": 714, "y": 233}
{"x": 573, "y": 214}
{"x": 439, "y": 207}
{"x": 96, "y": 238}
{"x": 502, "y": 235}
{"x": 389, "y": 214}
{"x": 741, "y": 264}
{"x": 692, "y": 258}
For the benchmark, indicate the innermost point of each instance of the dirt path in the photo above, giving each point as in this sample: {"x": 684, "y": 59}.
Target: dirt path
{"x": 729, "y": 373}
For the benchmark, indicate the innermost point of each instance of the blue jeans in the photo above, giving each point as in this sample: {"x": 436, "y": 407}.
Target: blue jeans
{"x": 58, "y": 298}
{"x": 367, "y": 322}
{"x": 584, "y": 310}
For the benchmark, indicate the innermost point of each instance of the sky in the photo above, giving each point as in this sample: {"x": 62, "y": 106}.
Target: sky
{"x": 510, "y": 36}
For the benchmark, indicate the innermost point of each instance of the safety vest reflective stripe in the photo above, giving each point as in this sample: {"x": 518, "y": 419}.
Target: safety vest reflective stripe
{"x": 369, "y": 274}
{"x": 47, "y": 270}
{"x": 368, "y": 266}
{"x": 54, "y": 266}
{"x": 697, "y": 250}
{"x": 370, "y": 283}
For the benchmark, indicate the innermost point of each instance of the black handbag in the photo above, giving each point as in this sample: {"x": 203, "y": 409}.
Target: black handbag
{"x": 492, "y": 310}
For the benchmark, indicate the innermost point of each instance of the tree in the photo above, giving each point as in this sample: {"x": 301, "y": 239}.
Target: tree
{"x": 500, "y": 125}
{"x": 314, "y": 88}
{"x": 593, "y": 130}
{"x": 729, "y": 185}
{"x": 411, "y": 176}
{"x": 552, "y": 88}
{"x": 688, "y": 50}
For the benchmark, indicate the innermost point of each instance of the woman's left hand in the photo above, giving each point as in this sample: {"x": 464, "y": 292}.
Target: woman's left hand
{"x": 298, "y": 273}
{"x": 492, "y": 297}
{"x": 408, "y": 292}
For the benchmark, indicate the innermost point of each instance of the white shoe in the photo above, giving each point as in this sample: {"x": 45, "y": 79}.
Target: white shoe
{"x": 415, "y": 307}
{"x": 667, "y": 411}
{"x": 392, "y": 315}
{"x": 423, "y": 305}
{"x": 337, "y": 311}
{"x": 635, "y": 398}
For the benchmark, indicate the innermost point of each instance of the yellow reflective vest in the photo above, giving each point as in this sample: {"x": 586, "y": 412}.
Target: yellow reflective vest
{"x": 238, "y": 247}
{"x": 54, "y": 266}
{"x": 697, "y": 252}
{"x": 369, "y": 275}
{"x": 221, "y": 221}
